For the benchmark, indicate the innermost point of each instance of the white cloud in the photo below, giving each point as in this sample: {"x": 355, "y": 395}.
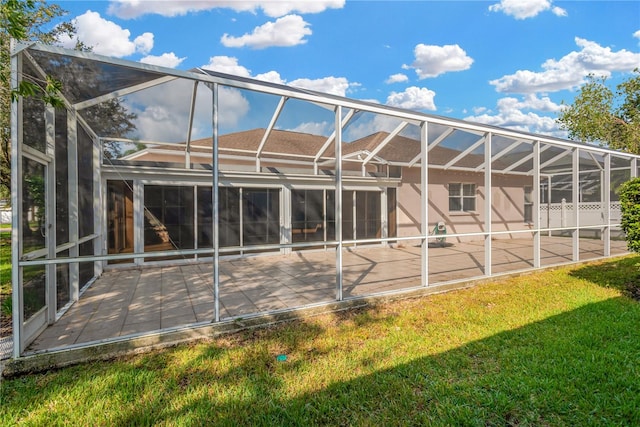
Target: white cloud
{"x": 523, "y": 9}
{"x": 228, "y": 65}
{"x": 397, "y": 78}
{"x": 569, "y": 71}
{"x": 281, "y": 8}
{"x": 315, "y": 128}
{"x": 163, "y": 111}
{"x": 165, "y": 60}
{"x": 637, "y": 34}
{"x": 431, "y": 61}
{"x": 558, "y": 11}
{"x": 233, "y": 107}
{"x": 289, "y": 30}
{"x": 106, "y": 37}
{"x": 127, "y": 9}
{"x": 368, "y": 124}
{"x": 144, "y": 43}
{"x": 530, "y": 102}
{"x": 270, "y": 76}
{"x": 332, "y": 85}
{"x": 516, "y": 114}
{"x": 413, "y": 98}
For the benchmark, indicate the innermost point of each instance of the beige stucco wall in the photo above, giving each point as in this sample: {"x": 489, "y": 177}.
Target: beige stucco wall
{"x": 507, "y": 205}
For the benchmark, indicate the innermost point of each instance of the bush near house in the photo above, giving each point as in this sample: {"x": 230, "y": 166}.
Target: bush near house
{"x": 630, "y": 207}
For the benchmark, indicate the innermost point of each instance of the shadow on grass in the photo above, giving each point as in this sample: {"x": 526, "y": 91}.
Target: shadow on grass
{"x": 576, "y": 368}
{"x": 622, "y": 274}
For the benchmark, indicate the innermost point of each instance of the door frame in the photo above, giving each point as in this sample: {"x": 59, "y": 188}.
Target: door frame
{"x": 29, "y": 329}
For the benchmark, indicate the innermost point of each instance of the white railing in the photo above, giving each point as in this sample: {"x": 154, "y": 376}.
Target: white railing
{"x": 557, "y": 215}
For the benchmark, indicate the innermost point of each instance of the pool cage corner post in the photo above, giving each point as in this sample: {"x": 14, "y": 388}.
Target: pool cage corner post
{"x": 536, "y": 204}
{"x": 424, "y": 199}
{"x": 16, "y": 206}
{"x": 487, "y": 204}
{"x": 216, "y": 204}
{"x": 338, "y": 201}
{"x": 634, "y": 168}
{"x": 605, "y": 177}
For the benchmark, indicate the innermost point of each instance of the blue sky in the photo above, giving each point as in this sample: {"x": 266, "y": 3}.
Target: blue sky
{"x": 508, "y": 63}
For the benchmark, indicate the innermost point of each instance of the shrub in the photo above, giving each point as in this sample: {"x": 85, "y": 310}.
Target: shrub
{"x": 630, "y": 207}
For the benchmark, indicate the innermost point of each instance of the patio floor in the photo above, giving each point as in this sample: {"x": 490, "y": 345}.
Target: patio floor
{"x": 137, "y": 300}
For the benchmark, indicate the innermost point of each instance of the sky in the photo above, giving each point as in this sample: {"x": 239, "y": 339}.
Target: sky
{"x": 508, "y": 63}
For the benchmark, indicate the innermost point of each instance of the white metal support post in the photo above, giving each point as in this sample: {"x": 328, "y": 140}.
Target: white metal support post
{"x": 50, "y": 232}
{"x": 72, "y": 189}
{"x": 634, "y": 168}
{"x": 384, "y": 215}
{"x": 576, "y": 204}
{"x": 549, "y": 182}
{"x": 138, "y": 219}
{"x": 424, "y": 200}
{"x": 535, "y": 193}
{"x": 606, "y": 203}
{"x": 16, "y": 209}
{"x": 99, "y": 206}
{"x": 286, "y": 235}
{"x": 338, "y": 204}
{"x": 487, "y": 205}
{"x": 216, "y": 204}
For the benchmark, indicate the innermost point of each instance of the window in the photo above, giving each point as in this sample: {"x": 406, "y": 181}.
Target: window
{"x": 462, "y": 197}
{"x": 528, "y": 204}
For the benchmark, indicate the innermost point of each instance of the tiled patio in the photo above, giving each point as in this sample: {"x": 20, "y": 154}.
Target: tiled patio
{"x": 132, "y": 301}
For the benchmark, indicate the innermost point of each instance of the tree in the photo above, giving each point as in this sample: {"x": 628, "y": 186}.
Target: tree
{"x": 23, "y": 20}
{"x": 630, "y": 209}
{"x": 600, "y": 115}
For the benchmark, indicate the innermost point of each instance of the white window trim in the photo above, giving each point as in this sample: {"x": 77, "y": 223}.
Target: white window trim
{"x": 462, "y": 197}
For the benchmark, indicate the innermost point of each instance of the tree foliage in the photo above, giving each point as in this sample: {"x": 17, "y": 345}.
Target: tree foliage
{"x": 630, "y": 208}
{"x": 604, "y": 116}
{"x": 25, "y": 20}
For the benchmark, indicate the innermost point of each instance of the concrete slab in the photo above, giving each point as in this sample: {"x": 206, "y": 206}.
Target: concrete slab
{"x": 139, "y": 300}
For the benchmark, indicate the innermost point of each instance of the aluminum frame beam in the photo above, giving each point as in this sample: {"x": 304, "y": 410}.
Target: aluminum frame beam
{"x": 272, "y": 123}
{"x": 385, "y": 141}
{"x": 469, "y": 149}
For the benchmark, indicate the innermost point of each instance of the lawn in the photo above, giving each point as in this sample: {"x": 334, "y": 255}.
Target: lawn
{"x": 560, "y": 347}
{"x": 5, "y": 281}
{"x": 5, "y": 262}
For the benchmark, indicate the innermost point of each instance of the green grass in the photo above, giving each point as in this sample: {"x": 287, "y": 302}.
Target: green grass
{"x": 5, "y": 263}
{"x": 560, "y": 347}
{"x": 5, "y": 269}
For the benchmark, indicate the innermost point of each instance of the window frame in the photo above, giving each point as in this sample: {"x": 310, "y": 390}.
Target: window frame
{"x": 462, "y": 196}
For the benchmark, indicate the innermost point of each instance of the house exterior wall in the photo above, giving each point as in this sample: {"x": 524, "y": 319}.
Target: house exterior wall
{"x": 507, "y": 203}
